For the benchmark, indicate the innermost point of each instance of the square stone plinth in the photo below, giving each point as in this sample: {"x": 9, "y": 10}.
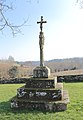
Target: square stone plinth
{"x": 41, "y": 72}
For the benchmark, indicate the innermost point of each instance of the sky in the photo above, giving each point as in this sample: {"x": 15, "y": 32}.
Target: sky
{"x": 62, "y": 32}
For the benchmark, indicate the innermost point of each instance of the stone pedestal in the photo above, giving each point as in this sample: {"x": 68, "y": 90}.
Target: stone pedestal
{"x": 41, "y": 72}
{"x": 41, "y": 92}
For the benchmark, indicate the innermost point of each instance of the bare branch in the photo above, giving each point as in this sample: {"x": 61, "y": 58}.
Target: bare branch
{"x": 80, "y": 2}
{"x": 4, "y": 22}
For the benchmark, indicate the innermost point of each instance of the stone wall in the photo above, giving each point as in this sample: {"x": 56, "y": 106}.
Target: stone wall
{"x": 13, "y": 81}
{"x": 70, "y": 78}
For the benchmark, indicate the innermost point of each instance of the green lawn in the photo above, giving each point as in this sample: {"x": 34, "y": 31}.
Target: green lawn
{"x": 74, "y": 111}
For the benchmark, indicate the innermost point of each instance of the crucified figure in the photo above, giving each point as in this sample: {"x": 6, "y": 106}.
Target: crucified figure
{"x": 41, "y": 41}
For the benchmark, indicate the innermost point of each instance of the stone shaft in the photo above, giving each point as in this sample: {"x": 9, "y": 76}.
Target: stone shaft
{"x": 41, "y": 44}
{"x": 41, "y": 41}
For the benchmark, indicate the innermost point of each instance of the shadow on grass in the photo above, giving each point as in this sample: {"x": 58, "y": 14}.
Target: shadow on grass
{"x": 6, "y": 108}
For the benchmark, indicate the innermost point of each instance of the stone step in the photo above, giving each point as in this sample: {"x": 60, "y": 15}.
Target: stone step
{"x": 64, "y": 100}
{"x": 58, "y": 86}
{"x": 40, "y": 95}
{"x": 49, "y": 78}
{"x": 41, "y": 83}
{"x": 39, "y": 105}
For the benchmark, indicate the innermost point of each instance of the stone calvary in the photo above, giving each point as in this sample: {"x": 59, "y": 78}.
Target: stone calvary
{"x": 41, "y": 91}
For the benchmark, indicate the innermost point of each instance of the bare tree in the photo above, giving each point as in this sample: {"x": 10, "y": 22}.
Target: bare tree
{"x": 5, "y": 22}
{"x": 80, "y": 2}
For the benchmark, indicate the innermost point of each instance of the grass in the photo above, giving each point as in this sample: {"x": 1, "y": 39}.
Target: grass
{"x": 74, "y": 111}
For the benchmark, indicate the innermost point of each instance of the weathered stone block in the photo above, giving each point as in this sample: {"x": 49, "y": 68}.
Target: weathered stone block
{"x": 41, "y": 82}
{"x": 32, "y": 95}
{"x": 41, "y": 72}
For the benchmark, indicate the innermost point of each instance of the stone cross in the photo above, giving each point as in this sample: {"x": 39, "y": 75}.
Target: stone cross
{"x": 41, "y": 41}
{"x": 41, "y": 23}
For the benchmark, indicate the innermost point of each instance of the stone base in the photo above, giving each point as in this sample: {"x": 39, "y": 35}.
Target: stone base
{"x": 41, "y": 72}
{"x": 41, "y": 105}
